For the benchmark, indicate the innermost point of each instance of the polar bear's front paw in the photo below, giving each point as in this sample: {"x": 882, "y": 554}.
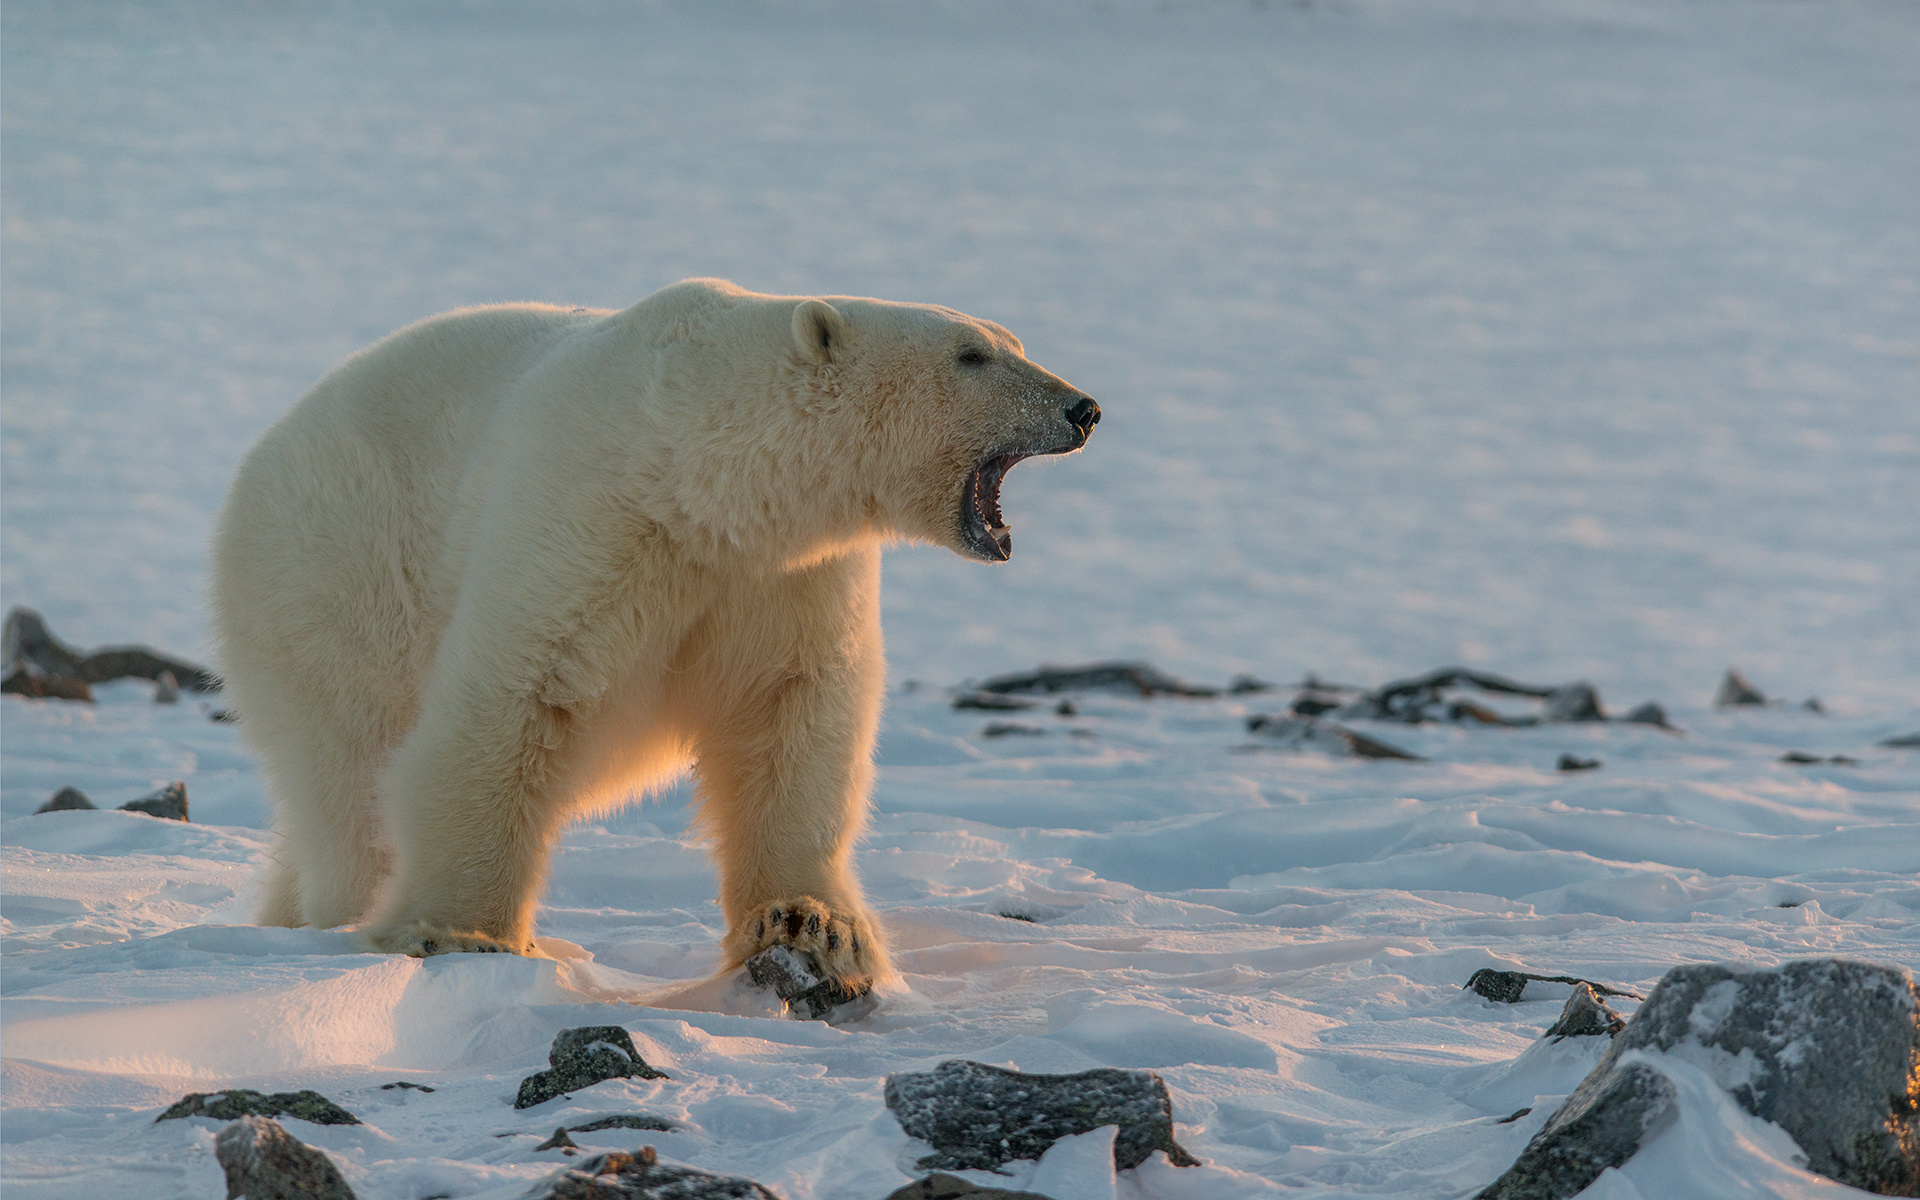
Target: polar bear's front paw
{"x": 423, "y": 941}
{"x": 842, "y": 943}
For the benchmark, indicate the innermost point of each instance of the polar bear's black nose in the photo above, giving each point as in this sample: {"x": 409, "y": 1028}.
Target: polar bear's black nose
{"x": 1083, "y": 415}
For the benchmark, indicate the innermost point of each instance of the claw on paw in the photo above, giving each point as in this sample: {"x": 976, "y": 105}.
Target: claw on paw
{"x": 838, "y": 940}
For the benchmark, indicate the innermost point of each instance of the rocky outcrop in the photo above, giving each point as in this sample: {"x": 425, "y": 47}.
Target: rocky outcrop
{"x": 942, "y": 1186}
{"x": 241, "y": 1102}
{"x": 169, "y": 802}
{"x": 1507, "y": 987}
{"x": 583, "y": 1057}
{"x": 563, "y": 1141}
{"x": 66, "y": 799}
{"x": 1128, "y": 678}
{"x": 978, "y": 1117}
{"x": 1735, "y": 691}
{"x": 1314, "y": 733}
{"x": 263, "y": 1161}
{"x": 640, "y": 1175}
{"x": 1585, "y": 1015}
{"x": 39, "y": 664}
{"x": 1828, "y": 1049}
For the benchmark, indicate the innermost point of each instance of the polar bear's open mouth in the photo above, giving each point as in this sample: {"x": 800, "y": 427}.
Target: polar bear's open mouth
{"x": 981, "y": 525}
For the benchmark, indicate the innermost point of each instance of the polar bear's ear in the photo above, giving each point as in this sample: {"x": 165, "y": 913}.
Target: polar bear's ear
{"x": 819, "y": 331}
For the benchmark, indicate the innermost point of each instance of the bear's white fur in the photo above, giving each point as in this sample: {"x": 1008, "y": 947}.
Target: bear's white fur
{"x": 513, "y": 564}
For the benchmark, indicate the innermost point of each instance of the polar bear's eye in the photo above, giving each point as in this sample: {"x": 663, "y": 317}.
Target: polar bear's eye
{"x": 973, "y": 357}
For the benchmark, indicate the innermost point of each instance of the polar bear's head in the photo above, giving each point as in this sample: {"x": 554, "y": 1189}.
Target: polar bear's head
{"x": 946, "y": 405}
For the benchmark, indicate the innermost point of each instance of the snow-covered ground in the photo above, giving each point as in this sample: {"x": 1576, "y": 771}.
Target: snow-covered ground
{"x": 1562, "y": 339}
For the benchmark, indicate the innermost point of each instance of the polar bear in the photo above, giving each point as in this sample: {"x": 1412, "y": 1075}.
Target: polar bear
{"x": 516, "y": 564}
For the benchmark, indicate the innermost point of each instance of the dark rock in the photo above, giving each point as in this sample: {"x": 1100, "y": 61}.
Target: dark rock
{"x": 241, "y": 1102}
{"x": 1601, "y": 1125}
{"x": 997, "y": 729}
{"x": 403, "y": 1085}
{"x": 1134, "y": 678}
{"x": 1065, "y": 709}
{"x": 169, "y": 802}
{"x": 1573, "y": 762}
{"x": 1312, "y": 733}
{"x": 64, "y": 799}
{"x": 640, "y": 1175}
{"x": 796, "y": 978}
{"x": 138, "y": 662}
{"x": 559, "y": 1141}
{"x": 35, "y": 659}
{"x": 978, "y": 1117}
{"x": 1515, "y": 1115}
{"x": 1735, "y": 690}
{"x": 1312, "y": 704}
{"x": 1431, "y": 697}
{"x": 1802, "y": 758}
{"x": 583, "y": 1057}
{"x": 25, "y": 638}
{"x": 166, "y": 689}
{"x": 1906, "y": 741}
{"x": 1828, "y": 1049}
{"x": 942, "y": 1186}
{"x": 989, "y": 702}
{"x": 624, "y": 1121}
{"x": 1648, "y": 714}
{"x": 1586, "y": 1015}
{"x": 1422, "y": 698}
{"x": 25, "y": 679}
{"x": 1506, "y": 987}
{"x": 1573, "y": 702}
{"x": 222, "y": 716}
{"x": 1242, "y": 685}
{"x": 263, "y": 1161}
{"x": 1812, "y": 704}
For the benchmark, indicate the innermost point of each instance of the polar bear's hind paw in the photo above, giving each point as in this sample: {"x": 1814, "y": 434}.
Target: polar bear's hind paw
{"x": 422, "y": 941}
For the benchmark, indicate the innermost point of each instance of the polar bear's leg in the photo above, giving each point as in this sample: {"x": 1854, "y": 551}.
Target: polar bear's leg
{"x": 318, "y": 735}
{"x": 280, "y": 899}
{"x": 472, "y": 803}
{"x": 785, "y": 764}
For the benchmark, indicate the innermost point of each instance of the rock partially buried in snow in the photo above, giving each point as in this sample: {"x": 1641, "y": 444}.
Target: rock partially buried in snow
{"x": 1312, "y": 733}
{"x": 1586, "y": 1015}
{"x": 808, "y": 991}
{"x": 583, "y": 1057}
{"x": 1507, "y": 987}
{"x": 263, "y": 1161}
{"x": 1735, "y": 691}
{"x": 993, "y": 702}
{"x": 66, "y": 800}
{"x": 640, "y": 1175}
{"x": 1599, "y": 1126}
{"x": 241, "y": 1102}
{"x": 168, "y": 803}
{"x": 1828, "y": 1049}
{"x": 942, "y": 1186}
{"x": 978, "y": 1117}
{"x": 39, "y": 664}
{"x": 1130, "y": 678}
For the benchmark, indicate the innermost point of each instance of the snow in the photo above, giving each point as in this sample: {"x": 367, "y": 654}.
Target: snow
{"x": 1561, "y": 339}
